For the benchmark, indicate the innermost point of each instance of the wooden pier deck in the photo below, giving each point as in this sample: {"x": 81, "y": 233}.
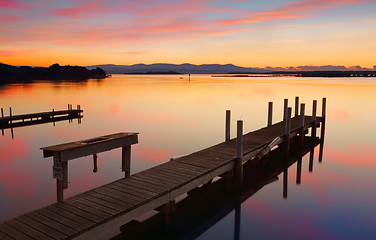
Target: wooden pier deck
{"x": 87, "y": 215}
{"x": 14, "y": 121}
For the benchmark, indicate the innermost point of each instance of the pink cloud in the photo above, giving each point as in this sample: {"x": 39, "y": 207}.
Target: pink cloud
{"x": 10, "y": 18}
{"x": 80, "y": 11}
{"x": 11, "y": 4}
{"x": 302, "y": 9}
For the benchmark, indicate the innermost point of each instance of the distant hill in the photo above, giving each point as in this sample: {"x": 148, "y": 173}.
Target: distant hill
{"x": 10, "y": 73}
{"x": 216, "y": 68}
{"x": 182, "y": 68}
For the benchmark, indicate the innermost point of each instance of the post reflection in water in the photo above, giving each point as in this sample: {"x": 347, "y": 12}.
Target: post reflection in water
{"x": 208, "y": 204}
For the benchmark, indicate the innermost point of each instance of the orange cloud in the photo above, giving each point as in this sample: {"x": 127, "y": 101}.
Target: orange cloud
{"x": 353, "y": 156}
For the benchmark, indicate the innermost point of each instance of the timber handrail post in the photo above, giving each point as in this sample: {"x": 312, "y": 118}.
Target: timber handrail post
{"x": 301, "y": 122}
{"x": 10, "y": 115}
{"x": 227, "y": 129}
{"x": 285, "y": 106}
{"x": 239, "y": 153}
{"x": 323, "y": 116}
{"x": 296, "y": 106}
{"x": 314, "y": 110}
{"x": 270, "y": 113}
{"x": 288, "y": 129}
{"x": 126, "y": 160}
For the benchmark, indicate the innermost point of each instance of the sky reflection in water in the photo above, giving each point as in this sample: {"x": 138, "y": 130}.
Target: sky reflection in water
{"x": 175, "y": 117}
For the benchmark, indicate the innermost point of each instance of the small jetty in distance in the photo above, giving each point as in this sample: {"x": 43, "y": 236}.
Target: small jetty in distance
{"x": 22, "y": 120}
{"x": 90, "y": 214}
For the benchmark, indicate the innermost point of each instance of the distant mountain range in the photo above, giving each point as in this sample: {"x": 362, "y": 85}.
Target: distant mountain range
{"x": 182, "y": 68}
{"x": 214, "y": 68}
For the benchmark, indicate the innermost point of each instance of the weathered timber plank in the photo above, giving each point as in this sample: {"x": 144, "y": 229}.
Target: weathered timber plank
{"x": 95, "y": 205}
{"x": 53, "y": 224}
{"x": 174, "y": 177}
{"x": 13, "y": 232}
{"x": 119, "y": 196}
{"x": 118, "y": 208}
{"x": 89, "y": 209}
{"x": 72, "y": 216}
{"x": 179, "y": 172}
{"x": 33, "y": 233}
{"x": 60, "y": 219}
{"x": 126, "y": 193}
{"x": 51, "y": 232}
{"x": 3, "y": 236}
{"x": 123, "y": 206}
{"x": 146, "y": 185}
{"x": 147, "y": 179}
{"x": 77, "y": 211}
{"x": 140, "y": 192}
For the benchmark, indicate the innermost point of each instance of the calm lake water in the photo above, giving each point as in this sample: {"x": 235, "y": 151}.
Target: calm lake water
{"x": 176, "y": 117}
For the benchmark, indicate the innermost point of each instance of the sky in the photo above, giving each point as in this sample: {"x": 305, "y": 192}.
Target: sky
{"x": 255, "y": 33}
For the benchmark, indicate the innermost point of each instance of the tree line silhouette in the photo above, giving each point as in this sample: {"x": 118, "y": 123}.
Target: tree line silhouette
{"x": 10, "y": 73}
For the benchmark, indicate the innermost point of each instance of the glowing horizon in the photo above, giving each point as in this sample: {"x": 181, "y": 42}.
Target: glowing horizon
{"x": 244, "y": 33}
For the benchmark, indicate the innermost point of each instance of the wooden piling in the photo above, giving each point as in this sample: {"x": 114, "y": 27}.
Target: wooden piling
{"x": 228, "y": 123}
{"x": 296, "y": 106}
{"x": 285, "y": 105}
{"x": 314, "y": 110}
{"x": 126, "y": 160}
{"x": 95, "y": 163}
{"x": 285, "y": 178}
{"x": 270, "y": 113}
{"x": 238, "y": 171}
{"x": 301, "y": 122}
{"x": 288, "y": 129}
{"x": 299, "y": 170}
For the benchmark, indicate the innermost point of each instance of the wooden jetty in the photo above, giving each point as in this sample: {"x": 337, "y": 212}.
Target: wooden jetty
{"x": 89, "y": 214}
{"x": 208, "y": 204}
{"x": 15, "y": 121}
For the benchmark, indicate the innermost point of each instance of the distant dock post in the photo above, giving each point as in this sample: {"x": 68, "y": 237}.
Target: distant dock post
{"x": 296, "y": 106}
{"x": 270, "y": 113}
{"x": 301, "y": 122}
{"x": 285, "y": 106}
{"x": 238, "y": 166}
{"x": 228, "y": 121}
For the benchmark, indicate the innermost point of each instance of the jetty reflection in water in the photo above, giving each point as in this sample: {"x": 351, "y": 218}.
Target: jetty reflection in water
{"x": 208, "y": 204}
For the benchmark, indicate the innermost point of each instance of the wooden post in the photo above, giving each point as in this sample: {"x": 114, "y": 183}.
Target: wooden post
{"x": 285, "y": 176}
{"x": 126, "y": 160}
{"x": 95, "y": 163}
{"x": 239, "y": 154}
{"x": 10, "y": 116}
{"x": 314, "y": 108}
{"x": 10, "y": 122}
{"x": 59, "y": 179}
{"x": 301, "y": 123}
{"x": 296, "y": 106}
{"x": 270, "y": 113}
{"x": 299, "y": 170}
{"x": 65, "y": 174}
{"x": 323, "y": 117}
{"x": 228, "y": 121}
{"x": 53, "y": 115}
{"x": 285, "y": 106}
{"x": 311, "y": 153}
{"x": 288, "y": 129}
